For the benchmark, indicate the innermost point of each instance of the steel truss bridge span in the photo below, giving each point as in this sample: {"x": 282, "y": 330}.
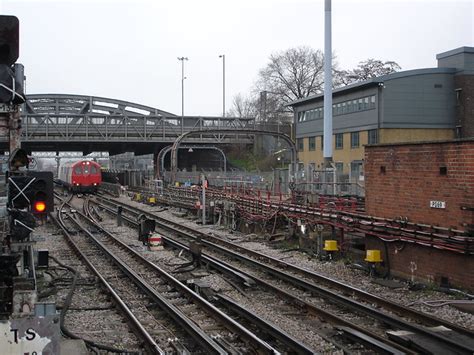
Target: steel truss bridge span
{"x": 58, "y": 122}
{"x": 65, "y": 104}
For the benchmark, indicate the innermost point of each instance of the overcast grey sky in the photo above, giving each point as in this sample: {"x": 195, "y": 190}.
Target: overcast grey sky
{"x": 128, "y": 49}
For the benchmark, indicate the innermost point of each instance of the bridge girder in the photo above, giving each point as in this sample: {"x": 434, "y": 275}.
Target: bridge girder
{"x": 62, "y": 122}
{"x": 60, "y": 104}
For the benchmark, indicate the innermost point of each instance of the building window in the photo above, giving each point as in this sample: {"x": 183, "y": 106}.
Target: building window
{"x": 372, "y": 101}
{"x": 349, "y": 106}
{"x": 322, "y": 142}
{"x": 357, "y": 171}
{"x": 309, "y": 115}
{"x": 312, "y": 143}
{"x": 458, "y": 96}
{"x": 355, "y": 140}
{"x": 373, "y": 136}
{"x": 339, "y": 167}
{"x": 339, "y": 140}
{"x": 300, "y": 144}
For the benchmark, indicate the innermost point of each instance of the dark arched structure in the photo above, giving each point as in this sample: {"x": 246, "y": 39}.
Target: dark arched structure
{"x": 160, "y": 160}
{"x": 174, "y": 149}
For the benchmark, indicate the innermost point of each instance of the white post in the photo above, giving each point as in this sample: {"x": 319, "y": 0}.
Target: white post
{"x": 327, "y": 85}
{"x": 182, "y": 59}
{"x": 223, "y": 84}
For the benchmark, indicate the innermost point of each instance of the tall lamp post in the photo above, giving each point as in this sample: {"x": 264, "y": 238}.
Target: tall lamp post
{"x": 223, "y": 84}
{"x": 182, "y": 59}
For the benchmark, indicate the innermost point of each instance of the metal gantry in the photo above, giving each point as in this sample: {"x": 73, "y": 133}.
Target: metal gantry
{"x": 75, "y": 118}
{"x": 218, "y": 132}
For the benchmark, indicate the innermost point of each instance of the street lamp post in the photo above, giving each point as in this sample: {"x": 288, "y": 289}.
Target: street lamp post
{"x": 182, "y": 59}
{"x": 223, "y": 84}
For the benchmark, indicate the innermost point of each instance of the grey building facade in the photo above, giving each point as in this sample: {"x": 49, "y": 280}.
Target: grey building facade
{"x": 414, "y": 105}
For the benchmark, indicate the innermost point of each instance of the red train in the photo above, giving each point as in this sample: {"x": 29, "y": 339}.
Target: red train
{"x": 80, "y": 176}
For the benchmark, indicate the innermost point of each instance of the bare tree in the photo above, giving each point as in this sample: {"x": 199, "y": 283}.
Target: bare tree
{"x": 243, "y": 107}
{"x": 341, "y": 78}
{"x": 372, "y": 68}
{"x": 290, "y": 75}
{"x": 293, "y": 74}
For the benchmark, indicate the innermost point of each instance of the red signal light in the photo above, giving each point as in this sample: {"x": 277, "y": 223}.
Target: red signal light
{"x": 39, "y": 206}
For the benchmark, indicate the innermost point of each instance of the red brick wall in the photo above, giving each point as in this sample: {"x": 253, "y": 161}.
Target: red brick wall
{"x": 412, "y": 179}
{"x": 412, "y": 261}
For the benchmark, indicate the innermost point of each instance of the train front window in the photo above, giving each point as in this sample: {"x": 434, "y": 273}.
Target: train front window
{"x": 93, "y": 170}
{"x": 86, "y": 170}
{"x": 78, "y": 170}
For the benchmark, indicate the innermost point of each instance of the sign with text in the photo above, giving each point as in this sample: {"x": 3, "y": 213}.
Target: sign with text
{"x": 437, "y": 204}
{"x": 30, "y": 335}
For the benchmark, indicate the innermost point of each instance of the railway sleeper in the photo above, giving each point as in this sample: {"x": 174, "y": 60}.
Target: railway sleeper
{"x": 425, "y": 344}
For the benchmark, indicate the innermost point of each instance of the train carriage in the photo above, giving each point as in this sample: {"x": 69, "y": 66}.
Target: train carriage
{"x": 80, "y": 176}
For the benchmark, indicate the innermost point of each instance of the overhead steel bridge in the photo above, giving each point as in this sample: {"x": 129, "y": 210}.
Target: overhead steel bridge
{"x": 59, "y": 122}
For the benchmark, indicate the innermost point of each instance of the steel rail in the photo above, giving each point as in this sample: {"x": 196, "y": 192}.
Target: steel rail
{"x": 147, "y": 339}
{"x": 188, "y": 325}
{"x": 216, "y": 264}
{"x": 348, "y": 289}
{"x": 276, "y": 332}
{"x": 227, "y": 321}
{"x": 345, "y": 301}
{"x": 389, "y": 346}
{"x": 379, "y": 343}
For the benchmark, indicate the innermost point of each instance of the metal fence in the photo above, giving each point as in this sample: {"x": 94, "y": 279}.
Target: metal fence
{"x": 275, "y": 181}
{"x": 329, "y": 182}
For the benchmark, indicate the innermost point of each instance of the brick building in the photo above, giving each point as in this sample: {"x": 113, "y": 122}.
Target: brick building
{"x": 428, "y": 183}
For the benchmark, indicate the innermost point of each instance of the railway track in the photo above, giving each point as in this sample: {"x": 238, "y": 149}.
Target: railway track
{"x": 277, "y": 338}
{"x": 194, "y": 324}
{"x": 74, "y": 239}
{"x": 454, "y": 341}
{"x": 86, "y": 311}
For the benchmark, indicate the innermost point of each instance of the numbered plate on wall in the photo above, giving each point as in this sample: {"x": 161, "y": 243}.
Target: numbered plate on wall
{"x": 437, "y": 204}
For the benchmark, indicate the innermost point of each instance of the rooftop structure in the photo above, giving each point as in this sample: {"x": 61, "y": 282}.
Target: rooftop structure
{"x": 408, "y": 106}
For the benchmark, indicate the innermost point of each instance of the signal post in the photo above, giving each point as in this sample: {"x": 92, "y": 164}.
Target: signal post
{"x": 29, "y": 198}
